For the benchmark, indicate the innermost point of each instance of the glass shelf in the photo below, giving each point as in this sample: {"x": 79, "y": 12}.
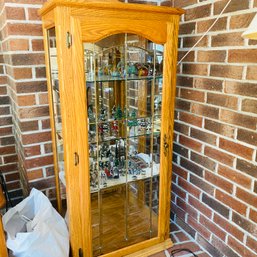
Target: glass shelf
{"x": 122, "y": 180}
{"x": 109, "y": 78}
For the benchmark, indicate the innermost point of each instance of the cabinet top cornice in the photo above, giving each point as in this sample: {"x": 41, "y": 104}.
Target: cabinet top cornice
{"x": 109, "y": 4}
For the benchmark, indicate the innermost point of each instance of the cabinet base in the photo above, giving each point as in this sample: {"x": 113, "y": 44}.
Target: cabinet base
{"x": 153, "y": 249}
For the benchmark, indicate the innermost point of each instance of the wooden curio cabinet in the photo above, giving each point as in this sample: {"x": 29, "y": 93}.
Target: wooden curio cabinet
{"x": 111, "y": 70}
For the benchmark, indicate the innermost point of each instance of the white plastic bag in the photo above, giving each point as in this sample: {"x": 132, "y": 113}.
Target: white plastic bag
{"x": 35, "y": 229}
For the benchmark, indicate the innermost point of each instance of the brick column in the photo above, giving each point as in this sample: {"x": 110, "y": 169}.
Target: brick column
{"x": 23, "y": 54}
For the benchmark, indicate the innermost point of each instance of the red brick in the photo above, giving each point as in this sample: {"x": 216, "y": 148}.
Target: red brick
{"x": 190, "y": 143}
{"x": 247, "y": 197}
{"x": 38, "y": 162}
{"x": 219, "y": 128}
{"x": 202, "y": 184}
{"x": 40, "y": 72}
{"x": 5, "y": 131}
{"x": 251, "y": 73}
{"x": 198, "y": 227}
{"x": 226, "y": 71}
{"x": 234, "y": 6}
{"x": 249, "y": 105}
{"x": 7, "y": 150}
{"x": 247, "y": 167}
{"x": 26, "y": 100}
{"x": 35, "y": 174}
{"x": 238, "y": 119}
{"x": 252, "y": 244}
{"x": 240, "y": 88}
{"x": 187, "y": 28}
{"x": 181, "y": 128}
{"x": 36, "y": 138}
{"x": 192, "y": 95}
{"x": 227, "y": 39}
{"x": 27, "y": 59}
{"x": 212, "y": 227}
{"x": 12, "y": 177}
{"x": 241, "y": 21}
{"x": 32, "y": 151}
{"x": 186, "y": 208}
{"x": 10, "y": 159}
{"x": 13, "y": 13}
{"x": 43, "y": 98}
{"x": 189, "y": 58}
{"x": 185, "y": 3}
{"x": 191, "y": 41}
{"x": 236, "y": 148}
{"x": 203, "y": 160}
{"x": 46, "y": 124}
{"x": 211, "y": 56}
{"x": 242, "y": 56}
{"x": 247, "y": 136}
{"x": 191, "y": 167}
{"x": 37, "y": 45}
{"x": 18, "y": 45}
{"x": 182, "y": 105}
{"x": 189, "y": 187}
{"x": 219, "y": 156}
{"x": 22, "y": 73}
{"x": 33, "y": 112}
{"x": 207, "y": 111}
{"x": 239, "y": 247}
{"x": 21, "y": 29}
{"x": 178, "y": 171}
{"x": 228, "y": 227}
{"x": 191, "y": 119}
{"x": 203, "y": 136}
{"x": 195, "y": 69}
{"x": 198, "y": 12}
{"x": 205, "y": 24}
{"x": 208, "y": 84}
{"x": 28, "y": 125}
{"x": 222, "y": 100}
{"x": 218, "y": 181}
{"x": 33, "y": 14}
{"x": 230, "y": 201}
{"x": 196, "y": 203}
{"x": 235, "y": 176}
{"x": 253, "y": 215}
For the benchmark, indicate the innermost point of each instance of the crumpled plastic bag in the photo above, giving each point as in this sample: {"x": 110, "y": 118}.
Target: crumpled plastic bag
{"x": 35, "y": 229}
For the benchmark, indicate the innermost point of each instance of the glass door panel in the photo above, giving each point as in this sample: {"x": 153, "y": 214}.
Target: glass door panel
{"x": 124, "y": 86}
{"x": 56, "y": 109}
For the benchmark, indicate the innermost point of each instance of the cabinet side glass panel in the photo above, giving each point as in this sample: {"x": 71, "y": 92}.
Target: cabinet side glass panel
{"x": 56, "y": 115}
{"x": 123, "y": 80}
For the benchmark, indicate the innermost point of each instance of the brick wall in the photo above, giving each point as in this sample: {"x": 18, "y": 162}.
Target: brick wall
{"x": 8, "y": 156}
{"x": 214, "y": 173}
{"x": 215, "y": 169}
{"x": 23, "y": 55}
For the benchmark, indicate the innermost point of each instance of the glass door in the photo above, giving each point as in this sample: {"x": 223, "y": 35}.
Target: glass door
{"x": 124, "y": 97}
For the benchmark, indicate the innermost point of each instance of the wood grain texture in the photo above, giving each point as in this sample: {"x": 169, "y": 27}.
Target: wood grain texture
{"x": 108, "y": 4}
{"x": 90, "y": 21}
{"x": 69, "y": 131}
{"x": 168, "y": 106}
{"x": 52, "y": 121}
{"x": 80, "y": 105}
{"x": 3, "y": 249}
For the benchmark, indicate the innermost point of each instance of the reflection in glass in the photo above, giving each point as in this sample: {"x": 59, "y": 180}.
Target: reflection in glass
{"x": 57, "y": 114}
{"x": 124, "y": 87}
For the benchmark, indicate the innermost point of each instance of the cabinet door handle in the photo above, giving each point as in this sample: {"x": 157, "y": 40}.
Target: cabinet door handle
{"x": 80, "y": 252}
{"x": 165, "y": 145}
{"x": 76, "y": 159}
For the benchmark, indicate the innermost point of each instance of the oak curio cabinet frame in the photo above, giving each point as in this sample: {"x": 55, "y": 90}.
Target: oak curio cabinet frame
{"x": 111, "y": 72}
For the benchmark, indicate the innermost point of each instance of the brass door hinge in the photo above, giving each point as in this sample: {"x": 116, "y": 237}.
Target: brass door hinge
{"x": 80, "y": 252}
{"x": 68, "y": 39}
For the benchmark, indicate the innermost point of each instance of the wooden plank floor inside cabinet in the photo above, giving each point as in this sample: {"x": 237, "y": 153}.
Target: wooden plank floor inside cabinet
{"x": 123, "y": 219}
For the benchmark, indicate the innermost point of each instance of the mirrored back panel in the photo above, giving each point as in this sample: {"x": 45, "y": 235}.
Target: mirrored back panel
{"x": 123, "y": 74}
